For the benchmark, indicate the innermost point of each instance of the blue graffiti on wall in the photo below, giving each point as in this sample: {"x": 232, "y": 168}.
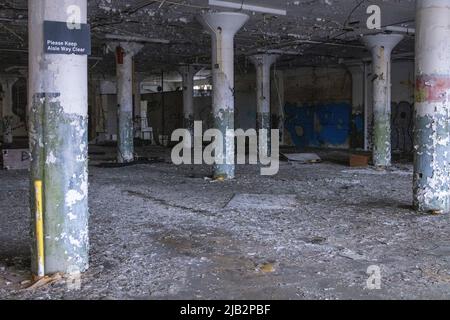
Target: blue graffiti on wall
{"x": 319, "y": 124}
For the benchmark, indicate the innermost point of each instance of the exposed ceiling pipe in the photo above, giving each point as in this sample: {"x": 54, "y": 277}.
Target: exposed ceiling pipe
{"x": 134, "y": 39}
{"x": 326, "y": 43}
{"x": 274, "y": 51}
{"x": 401, "y": 29}
{"x": 337, "y": 44}
{"x": 248, "y": 7}
{"x": 402, "y": 55}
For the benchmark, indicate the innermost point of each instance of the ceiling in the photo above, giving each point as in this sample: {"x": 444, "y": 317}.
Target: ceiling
{"x": 314, "y": 32}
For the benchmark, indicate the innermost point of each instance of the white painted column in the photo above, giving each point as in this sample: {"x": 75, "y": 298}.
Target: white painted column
{"x": 124, "y": 68}
{"x": 187, "y": 73}
{"x": 381, "y": 46}
{"x": 58, "y": 102}
{"x": 432, "y": 107}
{"x": 263, "y": 63}
{"x": 223, "y": 26}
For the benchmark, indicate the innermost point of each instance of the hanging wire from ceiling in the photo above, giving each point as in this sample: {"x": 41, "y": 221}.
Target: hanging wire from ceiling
{"x": 352, "y": 12}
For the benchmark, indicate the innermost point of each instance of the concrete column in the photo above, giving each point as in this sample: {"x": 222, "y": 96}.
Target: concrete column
{"x": 187, "y": 74}
{"x": 9, "y": 119}
{"x": 357, "y": 72}
{"x": 124, "y": 69}
{"x": 223, "y": 26}
{"x": 432, "y": 107}
{"x": 279, "y": 102}
{"x": 263, "y": 63}
{"x": 381, "y": 46}
{"x": 58, "y": 102}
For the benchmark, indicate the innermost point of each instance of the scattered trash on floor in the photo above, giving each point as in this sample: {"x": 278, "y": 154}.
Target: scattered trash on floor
{"x": 42, "y": 282}
{"x": 267, "y": 267}
{"x": 128, "y": 164}
{"x": 303, "y": 158}
{"x": 350, "y": 254}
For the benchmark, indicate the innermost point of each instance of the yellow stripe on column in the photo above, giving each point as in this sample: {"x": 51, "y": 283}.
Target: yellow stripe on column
{"x": 39, "y": 228}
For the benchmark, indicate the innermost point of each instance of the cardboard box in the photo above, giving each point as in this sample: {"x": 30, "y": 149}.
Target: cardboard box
{"x": 359, "y": 160}
{"x": 15, "y": 159}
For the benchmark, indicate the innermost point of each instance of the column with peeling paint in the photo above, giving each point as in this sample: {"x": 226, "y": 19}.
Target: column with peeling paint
{"x": 187, "y": 73}
{"x": 223, "y": 26}
{"x": 263, "y": 63}
{"x": 381, "y": 46}
{"x": 124, "y": 69}
{"x": 58, "y": 99}
{"x": 9, "y": 119}
{"x": 432, "y": 107}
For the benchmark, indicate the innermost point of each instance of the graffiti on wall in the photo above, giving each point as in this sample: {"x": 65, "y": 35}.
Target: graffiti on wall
{"x": 402, "y": 126}
{"x": 334, "y": 125}
{"x": 319, "y": 125}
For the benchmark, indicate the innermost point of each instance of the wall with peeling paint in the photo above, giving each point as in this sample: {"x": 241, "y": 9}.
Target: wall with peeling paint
{"x": 319, "y": 124}
{"x": 330, "y": 88}
{"x": 402, "y": 105}
{"x": 327, "y": 92}
{"x": 318, "y": 107}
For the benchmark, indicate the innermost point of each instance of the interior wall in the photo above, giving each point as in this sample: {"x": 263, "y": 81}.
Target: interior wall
{"x": 245, "y": 101}
{"x": 318, "y": 107}
{"x": 19, "y": 97}
{"x": 403, "y": 77}
{"x": 164, "y": 111}
{"x": 107, "y": 115}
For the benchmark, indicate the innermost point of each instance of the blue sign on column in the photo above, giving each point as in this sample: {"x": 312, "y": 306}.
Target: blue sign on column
{"x": 59, "y": 39}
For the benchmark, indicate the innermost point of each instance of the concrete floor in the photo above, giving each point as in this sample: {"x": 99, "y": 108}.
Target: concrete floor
{"x": 158, "y": 231}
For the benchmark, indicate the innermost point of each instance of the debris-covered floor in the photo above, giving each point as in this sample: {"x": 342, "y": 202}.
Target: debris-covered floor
{"x": 158, "y": 231}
